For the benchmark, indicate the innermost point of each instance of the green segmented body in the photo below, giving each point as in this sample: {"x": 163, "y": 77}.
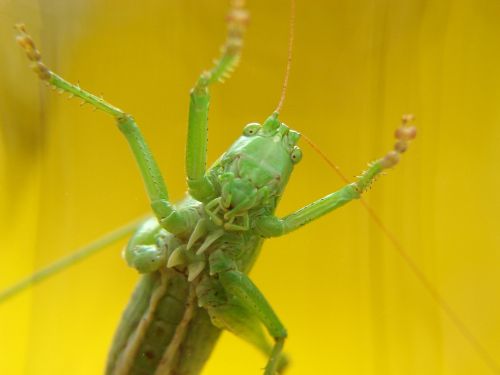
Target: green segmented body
{"x": 168, "y": 312}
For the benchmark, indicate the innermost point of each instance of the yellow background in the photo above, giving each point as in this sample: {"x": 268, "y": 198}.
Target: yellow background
{"x": 349, "y": 302}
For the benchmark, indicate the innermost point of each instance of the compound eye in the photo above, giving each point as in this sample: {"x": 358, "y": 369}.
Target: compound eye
{"x": 251, "y": 129}
{"x": 296, "y": 155}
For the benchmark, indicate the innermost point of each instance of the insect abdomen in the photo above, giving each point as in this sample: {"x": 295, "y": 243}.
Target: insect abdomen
{"x": 150, "y": 328}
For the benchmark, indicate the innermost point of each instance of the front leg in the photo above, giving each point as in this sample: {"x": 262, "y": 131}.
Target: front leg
{"x": 196, "y": 150}
{"x": 156, "y": 189}
{"x": 271, "y": 226}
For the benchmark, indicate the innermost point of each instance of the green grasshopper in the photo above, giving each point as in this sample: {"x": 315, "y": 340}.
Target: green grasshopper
{"x": 195, "y": 254}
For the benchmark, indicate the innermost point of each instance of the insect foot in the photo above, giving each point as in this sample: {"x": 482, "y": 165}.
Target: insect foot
{"x": 403, "y": 134}
{"x": 27, "y": 43}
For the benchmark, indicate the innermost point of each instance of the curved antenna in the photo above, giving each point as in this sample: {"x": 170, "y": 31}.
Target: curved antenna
{"x": 438, "y": 298}
{"x": 289, "y": 58}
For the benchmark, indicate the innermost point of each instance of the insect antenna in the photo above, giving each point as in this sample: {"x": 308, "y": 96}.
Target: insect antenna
{"x": 289, "y": 58}
{"x": 441, "y": 301}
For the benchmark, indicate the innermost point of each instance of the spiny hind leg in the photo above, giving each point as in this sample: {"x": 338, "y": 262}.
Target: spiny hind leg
{"x": 228, "y": 312}
{"x": 238, "y": 289}
{"x": 196, "y": 151}
{"x": 156, "y": 189}
{"x": 238, "y": 284}
{"x": 242, "y": 323}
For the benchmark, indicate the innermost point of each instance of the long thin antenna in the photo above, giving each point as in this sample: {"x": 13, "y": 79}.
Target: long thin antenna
{"x": 441, "y": 301}
{"x": 289, "y": 59}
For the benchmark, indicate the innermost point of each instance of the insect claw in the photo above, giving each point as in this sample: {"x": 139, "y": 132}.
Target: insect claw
{"x": 21, "y": 27}
{"x": 407, "y": 118}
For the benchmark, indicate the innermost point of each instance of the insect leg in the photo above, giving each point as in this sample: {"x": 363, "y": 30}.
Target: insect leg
{"x": 153, "y": 180}
{"x": 238, "y": 284}
{"x": 271, "y": 226}
{"x": 144, "y": 251}
{"x": 238, "y": 320}
{"x": 239, "y": 306}
{"x": 199, "y": 186}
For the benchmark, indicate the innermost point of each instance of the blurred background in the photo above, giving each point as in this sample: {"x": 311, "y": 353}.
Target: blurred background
{"x": 351, "y": 305}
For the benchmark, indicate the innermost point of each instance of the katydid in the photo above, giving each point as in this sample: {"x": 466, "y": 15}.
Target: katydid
{"x": 195, "y": 254}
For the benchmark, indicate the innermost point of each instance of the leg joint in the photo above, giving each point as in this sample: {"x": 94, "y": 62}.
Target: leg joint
{"x": 281, "y": 334}
{"x": 201, "y": 86}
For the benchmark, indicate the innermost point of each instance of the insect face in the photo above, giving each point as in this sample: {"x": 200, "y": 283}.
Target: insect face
{"x": 257, "y": 166}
